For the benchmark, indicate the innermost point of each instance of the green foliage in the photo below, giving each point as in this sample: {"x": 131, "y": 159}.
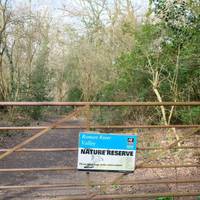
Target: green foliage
{"x": 40, "y": 88}
{"x": 114, "y": 60}
{"x": 173, "y": 41}
{"x": 132, "y": 82}
{"x": 75, "y": 94}
{"x": 178, "y": 18}
{"x": 165, "y": 198}
{"x": 190, "y": 115}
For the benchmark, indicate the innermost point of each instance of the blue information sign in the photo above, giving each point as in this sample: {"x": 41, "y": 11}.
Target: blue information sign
{"x": 110, "y": 152}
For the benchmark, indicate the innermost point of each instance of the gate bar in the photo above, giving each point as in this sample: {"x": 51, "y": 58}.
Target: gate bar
{"x": 136, "y": 182}
{"x": 123, "y": 196}
{"x": 130, "y": 196}
{"x": 76, "y": 149}
{"x": 74, "y": 168}
{"x": 193, "y": 103}
{"x": 99, "y": 127}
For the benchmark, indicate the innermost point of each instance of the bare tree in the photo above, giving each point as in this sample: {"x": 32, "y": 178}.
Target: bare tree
{"x": 156, "y": 81}
{"x": 4, "y": 23}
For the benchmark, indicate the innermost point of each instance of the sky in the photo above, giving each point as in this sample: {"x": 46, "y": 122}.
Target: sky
{"x": 54, "y": 5}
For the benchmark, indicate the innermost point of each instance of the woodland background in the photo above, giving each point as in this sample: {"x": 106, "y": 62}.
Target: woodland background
{"x": 108, "y": 52}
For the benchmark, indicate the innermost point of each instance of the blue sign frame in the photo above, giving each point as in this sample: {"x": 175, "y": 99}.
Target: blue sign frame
{"x": 106, "y": 152}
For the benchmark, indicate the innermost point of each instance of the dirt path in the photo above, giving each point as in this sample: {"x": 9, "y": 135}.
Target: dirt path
{"x": 55, "y": 139}
{"x": 63, "y": 139}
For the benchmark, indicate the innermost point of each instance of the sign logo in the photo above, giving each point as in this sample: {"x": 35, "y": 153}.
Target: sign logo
{"x": 106, "y": 152}
{"x": 130, "y": 141}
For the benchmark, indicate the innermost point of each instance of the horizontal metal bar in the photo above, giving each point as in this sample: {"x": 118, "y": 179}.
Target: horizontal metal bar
{"x": 124, "y": 196}
{"x": 74, "y": 169}
{"x": 164, "y": 148}
{"x": 136, "y": 182}
{"x": 74, "y": 197}
{"x": 42, "y": 150}
{"x": 76, "y": 149}
{"x": 11, "y": 187}
{"x": 166, "y": 166}
{"x": 39, "y": 169}
{"x": 98, "y": 127}
{"x": 147, "y": 182}
{"x": 144, "y": 126}
{"x": 130, "y": 196}
{"x": 195, "y": 103}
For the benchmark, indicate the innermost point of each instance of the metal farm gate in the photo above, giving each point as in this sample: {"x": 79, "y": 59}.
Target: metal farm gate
{"x": 119, "y": 179}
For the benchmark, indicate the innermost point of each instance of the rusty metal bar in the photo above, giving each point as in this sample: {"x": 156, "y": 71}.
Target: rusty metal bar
{"x": 74, "y": 197}
{"x": 166, "y": 166}
{"x": 123, "y": 196}
{"x": 73, "y": 168}
{"x": 195, "y": 103}
{"x": 98, "y": 127}
{"x": 39, "y": 169}
{"x": 76, "y": 149}
{"x": 42, "y": 150}
{"x": 13, "y": 187}
{"x": 136, "y": 182}
{"x": 147, "y": 182}
{"x": 163, "y": 148}
{"x": 131, "y": 196}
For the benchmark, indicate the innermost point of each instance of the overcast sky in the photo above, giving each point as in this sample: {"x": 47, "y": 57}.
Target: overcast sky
{"x": 54, "y": 8}
{"x": 54, "y": 5}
